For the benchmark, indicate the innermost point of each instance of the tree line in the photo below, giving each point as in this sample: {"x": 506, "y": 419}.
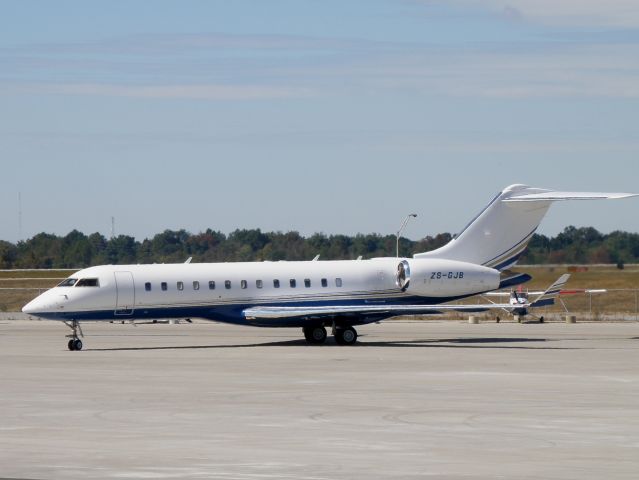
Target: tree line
{"x": 77, "y": 250}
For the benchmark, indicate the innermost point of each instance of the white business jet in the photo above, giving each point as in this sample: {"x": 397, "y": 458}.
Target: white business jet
{"x": 314, "y": 295}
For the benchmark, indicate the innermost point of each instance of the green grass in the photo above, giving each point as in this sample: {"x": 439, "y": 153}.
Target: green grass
{"x": 608, "y": 277}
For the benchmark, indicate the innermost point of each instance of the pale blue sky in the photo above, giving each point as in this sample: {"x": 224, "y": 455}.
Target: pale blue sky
{"x": 309, "y": 115}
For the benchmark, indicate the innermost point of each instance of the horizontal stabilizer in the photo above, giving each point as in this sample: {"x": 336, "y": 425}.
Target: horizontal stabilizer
{"x": 551, "y": 196}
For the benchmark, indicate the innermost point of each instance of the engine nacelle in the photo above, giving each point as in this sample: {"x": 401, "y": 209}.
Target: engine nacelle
{"x": 444, "y": 278}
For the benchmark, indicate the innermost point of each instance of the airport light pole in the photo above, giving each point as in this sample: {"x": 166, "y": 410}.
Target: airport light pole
{"x": 399, "y": 232}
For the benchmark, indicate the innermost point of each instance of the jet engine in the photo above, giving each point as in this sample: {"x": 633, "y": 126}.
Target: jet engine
{"x": 444, "y": 278}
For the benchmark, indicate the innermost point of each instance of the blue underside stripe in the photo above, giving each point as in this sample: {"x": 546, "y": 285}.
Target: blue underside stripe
{"x": 234, "y": 313}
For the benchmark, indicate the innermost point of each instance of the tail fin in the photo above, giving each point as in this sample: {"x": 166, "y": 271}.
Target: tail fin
{"x": 549, "y": 296}
{"x": 499, "y": 235}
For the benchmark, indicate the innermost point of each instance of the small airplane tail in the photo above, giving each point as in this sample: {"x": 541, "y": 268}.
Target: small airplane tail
{"x": 549, "y": 296}
{"x": 499, "y": 235}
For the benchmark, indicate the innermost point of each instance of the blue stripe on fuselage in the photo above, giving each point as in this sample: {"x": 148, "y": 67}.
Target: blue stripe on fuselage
{"x": 233, "y": 313}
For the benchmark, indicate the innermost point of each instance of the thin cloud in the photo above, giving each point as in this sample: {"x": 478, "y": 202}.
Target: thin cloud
{"x": 199, "y": 92}
{"x": 531, "y": 71}
{"x": 181, "y": 43}
{"x": 550, "y": 69}
{"x": 588, "y": 13}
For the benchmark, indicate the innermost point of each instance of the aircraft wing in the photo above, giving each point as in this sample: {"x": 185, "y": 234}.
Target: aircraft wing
{"x": 540, "y": 292}
{"x": 507, "y": 294}
{"x": 577, "y": 291}
{"x": 333, "y": 310}
{"x": 583, "y": 291}
{"x": 552, "y": 291}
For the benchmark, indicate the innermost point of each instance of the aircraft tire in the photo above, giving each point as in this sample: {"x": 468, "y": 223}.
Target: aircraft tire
{"x": 346, "y": 336}
{"x": 77, "y": 344}
{"x": 315, "y": 335}
{"x": 70, "y": 345}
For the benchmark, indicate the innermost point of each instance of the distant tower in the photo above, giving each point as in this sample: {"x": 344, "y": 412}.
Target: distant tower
{"x": 19, "y": 216}
{"x": 112, "y": 227}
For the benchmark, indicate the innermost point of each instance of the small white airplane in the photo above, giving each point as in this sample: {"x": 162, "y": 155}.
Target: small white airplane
{"x": 314, "y": 295}
{"x": 520, "y": 305}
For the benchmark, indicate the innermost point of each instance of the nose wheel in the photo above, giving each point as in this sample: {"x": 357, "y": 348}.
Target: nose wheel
{"x": 74, "y": 344}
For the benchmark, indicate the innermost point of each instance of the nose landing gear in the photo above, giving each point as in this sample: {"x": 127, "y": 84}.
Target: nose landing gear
{"x": 74, "y": 343}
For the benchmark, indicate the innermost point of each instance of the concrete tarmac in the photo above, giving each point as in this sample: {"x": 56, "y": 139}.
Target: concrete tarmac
{"x": 429, "y": 399}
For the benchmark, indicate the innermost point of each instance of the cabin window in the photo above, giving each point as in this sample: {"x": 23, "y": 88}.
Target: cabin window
{"x": 196, "y": 285}
{"x": 258, "y": 283}
{"x": 69, "y": 282}
{"x": 324, "y": 282}
{"x": 307, "y": 282}
{"x": 212, "y": 285}
{"x": 276, "y": 283}
{"x": 243, "y": 284}
{"x": 88, "y": 282}
{"x": 164, "y": 286}
{"x": 292, "y": 283}
{"x": 227, "y": 284}
{"x": 147, "y": 286}
{"x": 338, "y": 282}
{"x": 180, "y": 285}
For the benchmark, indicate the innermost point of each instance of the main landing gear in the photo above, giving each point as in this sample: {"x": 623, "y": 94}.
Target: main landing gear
{"x": 74, "y": 343}
{"x": 345, "y": 336}
{"x": 316, "y": 334}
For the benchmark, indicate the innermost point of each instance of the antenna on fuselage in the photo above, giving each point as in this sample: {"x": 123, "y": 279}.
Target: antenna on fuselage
{"x": 188, "y": 260}
{"x": 316, "y": 258}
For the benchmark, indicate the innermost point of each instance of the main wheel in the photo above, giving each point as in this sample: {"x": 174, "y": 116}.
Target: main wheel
{"x": 71, "y": 345}
{"x": 77, "y": 344}
{"x": 346, "y": 336}
{"x": 315, "y": 335}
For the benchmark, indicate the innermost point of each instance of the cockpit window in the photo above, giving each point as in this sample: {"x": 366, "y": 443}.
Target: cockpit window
{"x": 88, "y": 282}
{"x": 69, "y": 282}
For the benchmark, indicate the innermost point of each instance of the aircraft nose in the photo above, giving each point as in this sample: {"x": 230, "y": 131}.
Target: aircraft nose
{"x": 48, "y": 305}
{"x": 41, "y": 306}
{"x": 32, "y": 307}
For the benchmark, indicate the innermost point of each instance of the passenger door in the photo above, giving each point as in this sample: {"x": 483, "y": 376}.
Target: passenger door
{"x": 125, "y": 293}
